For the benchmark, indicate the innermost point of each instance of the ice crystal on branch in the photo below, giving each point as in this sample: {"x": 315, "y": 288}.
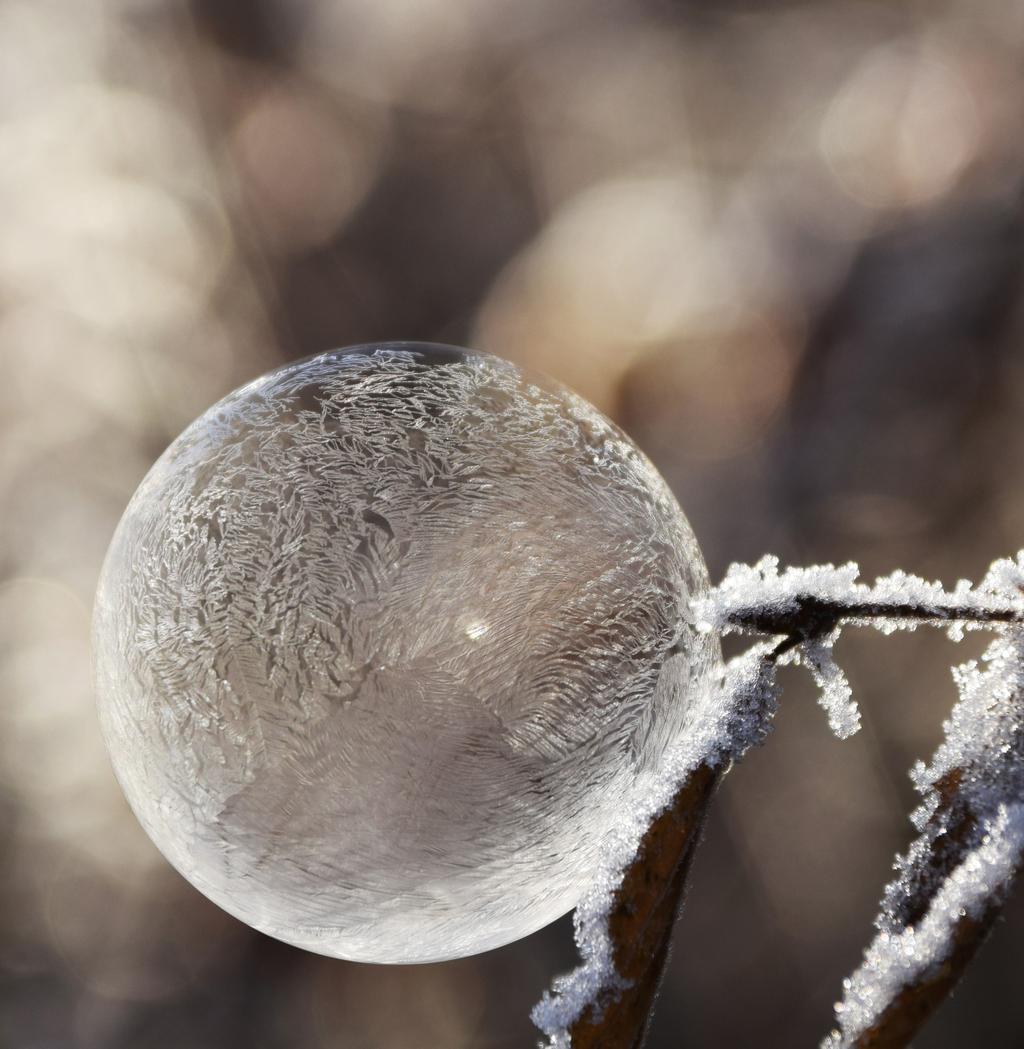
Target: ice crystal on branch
{"x": 954, "y": 877}
{"x": 952, "y": 880}
{"x": 809, "y": 606}
{"x": 809, "y": 602}
{"x": 723, "y": 723}
{"x": 903, "y": 959}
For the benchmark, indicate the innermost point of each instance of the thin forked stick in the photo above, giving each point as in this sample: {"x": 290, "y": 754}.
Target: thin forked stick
{"x": 971, "y": 839}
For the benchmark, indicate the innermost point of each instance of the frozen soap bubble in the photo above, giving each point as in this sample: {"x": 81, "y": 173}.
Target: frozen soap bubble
{"x": 381, "y": 643}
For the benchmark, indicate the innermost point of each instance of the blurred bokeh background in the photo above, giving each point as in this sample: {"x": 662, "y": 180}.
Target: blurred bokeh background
{"x": 779, "y": 243}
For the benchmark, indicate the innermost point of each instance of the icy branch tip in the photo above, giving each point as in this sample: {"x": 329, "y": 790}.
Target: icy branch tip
{"x": 809, "y": 603}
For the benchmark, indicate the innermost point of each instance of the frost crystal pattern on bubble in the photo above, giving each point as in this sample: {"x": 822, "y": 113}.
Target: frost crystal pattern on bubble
{"x": 384, "y": 642}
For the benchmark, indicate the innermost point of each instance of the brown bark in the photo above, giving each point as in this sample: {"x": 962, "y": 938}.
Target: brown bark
{"x": 643, "y": 914}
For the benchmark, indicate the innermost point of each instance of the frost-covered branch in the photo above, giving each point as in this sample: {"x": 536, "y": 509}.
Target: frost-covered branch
{"x": 807, "y": 608}
{"x": 953, "y": 880}
{"x": 624, "y": 923}
{"x": 951, "y": 883}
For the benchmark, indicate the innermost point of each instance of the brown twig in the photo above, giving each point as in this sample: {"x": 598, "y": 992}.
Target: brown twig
{"x": 648, "y": 899}
{"x": 953, "y": 829}
{"x": 974, "y": 781}
{"x": 643, "y": 914}
{"x": 951, "y": 832}
{"x": 908, "y": 1011}
{"x": 810, "y": 616}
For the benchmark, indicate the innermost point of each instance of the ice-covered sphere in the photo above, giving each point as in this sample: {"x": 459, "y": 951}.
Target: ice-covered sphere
{"x": 381, "y": 643}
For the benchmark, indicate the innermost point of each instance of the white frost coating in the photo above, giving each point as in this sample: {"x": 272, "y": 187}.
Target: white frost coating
{"x": 836, "y": 696}
{"x": 983, "y": 733}
{"x": 724, "y": 723}
{"x": 763, "y": 589}
{"x": 737, "y": 714}
{"x": 896, "y": 959}
{"x": 763, "y": 586}
{"x": 983, "y": 752}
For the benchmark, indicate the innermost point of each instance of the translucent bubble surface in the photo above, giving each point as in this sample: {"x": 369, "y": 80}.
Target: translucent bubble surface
{"x": 381, "y": 643}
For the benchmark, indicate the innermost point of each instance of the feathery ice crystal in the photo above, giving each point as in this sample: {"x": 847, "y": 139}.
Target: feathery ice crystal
{"x": 385, "y": 640}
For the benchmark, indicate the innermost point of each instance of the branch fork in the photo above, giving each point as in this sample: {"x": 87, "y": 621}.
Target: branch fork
{"x": 951, "y": 883}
